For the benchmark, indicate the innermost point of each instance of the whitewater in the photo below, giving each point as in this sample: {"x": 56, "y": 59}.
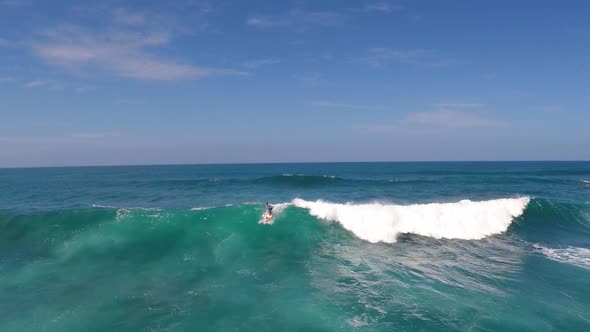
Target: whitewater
{"x": 383, "y": 223}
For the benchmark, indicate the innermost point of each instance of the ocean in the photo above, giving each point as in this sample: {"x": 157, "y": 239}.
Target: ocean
{"x": 439, "y": 246}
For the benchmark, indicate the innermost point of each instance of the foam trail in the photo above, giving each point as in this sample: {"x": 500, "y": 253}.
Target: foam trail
{"x": 383, "y": 223}
{"x": 579, "y": 257}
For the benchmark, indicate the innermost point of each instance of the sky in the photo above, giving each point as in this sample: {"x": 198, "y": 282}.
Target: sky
{"x": 196, "y": 81}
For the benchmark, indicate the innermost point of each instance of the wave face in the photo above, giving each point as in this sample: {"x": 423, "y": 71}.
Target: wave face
{"x": 465, "y": 220}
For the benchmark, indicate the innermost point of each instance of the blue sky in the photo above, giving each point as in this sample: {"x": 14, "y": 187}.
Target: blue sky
{"x": 159, "y": 82}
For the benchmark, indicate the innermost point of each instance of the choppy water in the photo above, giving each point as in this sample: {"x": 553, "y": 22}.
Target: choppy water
{"x": 353, "y": 246}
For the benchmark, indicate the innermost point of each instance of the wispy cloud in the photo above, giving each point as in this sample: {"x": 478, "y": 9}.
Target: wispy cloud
{"x": 455, "y": 115}
{"x": 252, "y": 64}
{"x": 451, "y": 118}
{"x": 296, "y": 18}
{"x": 36, "y": 84}
{"x": 383, "y": 7}
{"x": 331, "y": 104}
{"x": 443, "y": 115}
{"x": 122, "y": 52}
{"x": 380, "y": 56}
{"x": 6, "y": 79}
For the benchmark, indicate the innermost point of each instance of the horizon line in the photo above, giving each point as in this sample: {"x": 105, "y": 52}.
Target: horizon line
{"x": 299, "y": 162}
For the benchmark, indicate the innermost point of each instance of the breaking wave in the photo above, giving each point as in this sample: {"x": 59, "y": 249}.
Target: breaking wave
{"x": 466, "y": 219}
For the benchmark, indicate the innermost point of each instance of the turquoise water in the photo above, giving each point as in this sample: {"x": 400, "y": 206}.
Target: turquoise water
{"x": 352, "y": 247}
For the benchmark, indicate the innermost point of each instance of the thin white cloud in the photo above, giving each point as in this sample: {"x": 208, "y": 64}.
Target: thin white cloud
{"x": 252, "y": 64}
{"x": 380, "y": 56}
{"x": 125, "y": 53}
{"x": 6, "y": 79}
{"x": 296, "y": 18}
{"x": 444, "y": 115}
{"x": 456, "y": 115}
{"x": 36, "y": 84}
{"x": 452, "y": 118}
{"x": 383, "y": 7}
{"x": 331, "y": 104}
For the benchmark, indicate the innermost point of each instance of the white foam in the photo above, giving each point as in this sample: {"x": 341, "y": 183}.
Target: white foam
{"x": 103, "y": 206}
{"x": 579, "y": 257}
{"x": 201, "y": 208}
{"x": 124, "y": 213}
{"x": 383, "y": 223}
{"x": 586, "y": 181}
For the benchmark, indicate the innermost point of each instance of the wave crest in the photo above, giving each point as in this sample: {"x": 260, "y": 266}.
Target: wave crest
{"x": 383, "y": 223}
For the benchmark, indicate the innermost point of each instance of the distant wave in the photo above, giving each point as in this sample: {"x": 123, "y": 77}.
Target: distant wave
{"x": 279, "y": 180}
{"x": 579, "y": 257}
{"x": 298, "y": 180}
{"x": 103, "y": 206}
{"x": 111, "y": 207}
{"x": 201, "y": 208}
{"x": 383, "y": 223}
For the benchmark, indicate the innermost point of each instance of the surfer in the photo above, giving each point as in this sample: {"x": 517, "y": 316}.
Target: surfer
{"x": 269, "y": 209}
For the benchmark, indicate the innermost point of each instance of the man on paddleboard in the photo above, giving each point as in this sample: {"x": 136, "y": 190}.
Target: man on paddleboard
{"x": 269, "y": 209}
